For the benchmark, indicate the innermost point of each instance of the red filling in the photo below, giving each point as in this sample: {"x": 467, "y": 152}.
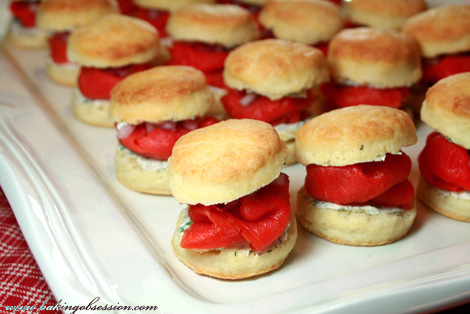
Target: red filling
{"x": 441, "y": 67}
{"x": 444, "y": 164}
{"x": 204, "y": 57}
{"x": 157, "y": 140}
{"x": 25, "y": 12}
{"x": 284, "y": 110}
{"x": 58, "y": 47}
{"x": 127, "y": 7}
{"x": 257, "y": 220}
{"x": 323, "y": 48}
{"x": 346, "y": 96}
{"x": 382, "y": 183}
{"x": 97, "y": 83}
{"x": 157, "y": 18}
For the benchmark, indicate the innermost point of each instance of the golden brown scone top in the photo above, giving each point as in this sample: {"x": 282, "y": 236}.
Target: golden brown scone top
{"x": 64, "y": 15}
{"x": 168, "y": 5}
{"x": 227, "y": 25}
{"x": 255, "y": 2}
{"x": 376, "y": 57}
{"x": 306, "y": 21}
{"x": 389, "y": 14}
{"x": 165, "y": 93}
{"x": 112, "y": 41}
{"x": 441, "y": 30}
{"x": 275, "y": 68}
{"x": 225, "y": 161}
{"x": 447, "y": 108}
{"x": 352, "y": 135}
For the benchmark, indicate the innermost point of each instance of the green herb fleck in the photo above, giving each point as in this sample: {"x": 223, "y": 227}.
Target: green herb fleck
{"x": 449, "y": 139}
{"x": 235, "y": 253}
{"x": 362, "y": 147}
{"x": 185, "y": 226}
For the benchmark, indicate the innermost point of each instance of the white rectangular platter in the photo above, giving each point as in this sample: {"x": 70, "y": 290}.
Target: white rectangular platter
{"x": 93, "y": 237}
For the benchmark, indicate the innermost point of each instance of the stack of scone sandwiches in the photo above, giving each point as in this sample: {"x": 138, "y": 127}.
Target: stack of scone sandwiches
{"x": 325, "y": 84}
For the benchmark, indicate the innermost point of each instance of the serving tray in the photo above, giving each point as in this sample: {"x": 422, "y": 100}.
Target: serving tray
{"x": 92, "y": 237}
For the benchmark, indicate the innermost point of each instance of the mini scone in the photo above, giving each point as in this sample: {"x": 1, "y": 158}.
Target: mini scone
{"x": 311, "y": 22}
{"x": 371, "y": 66}
{"x": 390, "y": 14}
{"x": 238, "y": 222}
{"x": 204, "y": 34}
{"x": 271, "y": 80}
{"x": 152, "y": 109}
{"x": 59, "y": 18}
{"x": 22, "y": 31}
{"x": 444, "y": 163}
{"x": 443, "y": 34}
{"x": 157, "y": 12}
{"x": 254, "y": 6}
{"x": 356, "y": 190}
{"x": 108, "y": 50}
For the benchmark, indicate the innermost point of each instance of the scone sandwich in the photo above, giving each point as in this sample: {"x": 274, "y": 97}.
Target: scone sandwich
{"x": 271, "y": 80}
{"x": 371, "y": 66}
{"x": 238, "y": 221}
{"x": 108, "y": 50}
{"x": 157, "y": 12}
{"x": 204, "y": 34}
{"x": 152, "y": 110}
{"x": 444, "y": 163}
{"x": 389, "y": 14}
{"x": 443, "y": 34}
{"x": 59, "y": 18}
{"x": 254, "y": 6}
{"x": 22, "y": 31}
{"x": 311, "y": 22}
{"x": 356, "y": 190}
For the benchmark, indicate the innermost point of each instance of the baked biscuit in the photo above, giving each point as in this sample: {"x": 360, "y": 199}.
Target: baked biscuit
{"x": 441, "y": 30}
{"x": 275, "y": 68}
{"x": 449, "y": 204}
{"x": 358, "y": 225}
{"x": 168, "y": 5}
{"x": 447, "y": 108}
{"x": 64, "y": 15}
{"x": 355, "y": 134}
{"x": 255, "y": 2}
{"x": 94, "y": 113}
{"x": 305, "y": 21}
{"x": 390, "y": 14}
{"x": 165, "y": 93}
{"x": 226, "y": 25}
{"x": 374, "y": 57}
{"x": 25, "y": 37}
{"x": 139, "y": 173}
{"x": 233, "y": 263}
{"x": 113, "y": 41}
{"x": 250, "y": 156}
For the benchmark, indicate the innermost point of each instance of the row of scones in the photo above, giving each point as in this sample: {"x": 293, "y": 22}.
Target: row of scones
{"x": 211, "y": 102}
